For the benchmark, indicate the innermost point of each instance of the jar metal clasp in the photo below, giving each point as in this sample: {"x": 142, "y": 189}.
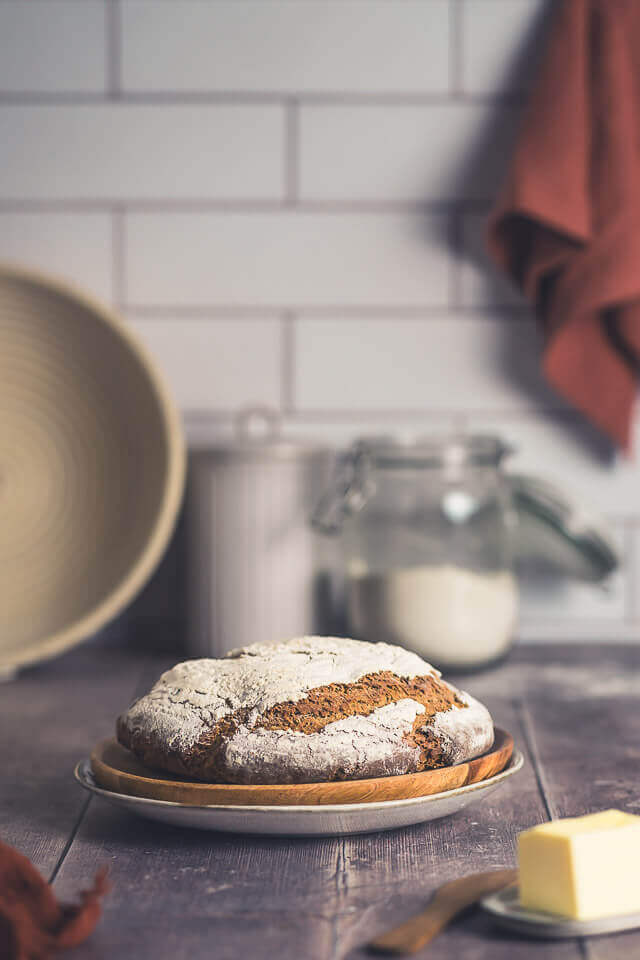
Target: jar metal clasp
{"x": 354, "y": 485}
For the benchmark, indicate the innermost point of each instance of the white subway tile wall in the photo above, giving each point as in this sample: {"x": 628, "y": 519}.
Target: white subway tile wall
{"x": 36, "y": 38}
{"x": 75, "y": 246}
{"x": 402, "y": 152}
{"x": 287, "y": 258}
{"x": 217, "y": 363}
{"x": 446, "y": 363}
{"x": 479, "y": 281}
{"x": 286, "y": 47}
{"x": 498, "y": 55}
{"x": 104, "y": 151}
{"x": 287, "y": 200}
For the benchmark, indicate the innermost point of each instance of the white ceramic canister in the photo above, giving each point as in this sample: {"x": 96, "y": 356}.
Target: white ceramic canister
{"x": 253, "y": 568}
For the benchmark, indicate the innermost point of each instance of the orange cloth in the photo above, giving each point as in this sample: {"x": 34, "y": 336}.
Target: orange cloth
{"x": 33, "y": 925}
{"x": 567, "y": 224}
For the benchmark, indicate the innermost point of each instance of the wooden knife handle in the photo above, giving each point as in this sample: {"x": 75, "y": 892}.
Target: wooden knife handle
{"x": 448, "y": 901}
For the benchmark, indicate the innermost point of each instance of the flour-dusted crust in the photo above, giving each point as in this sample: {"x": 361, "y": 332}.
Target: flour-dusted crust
{"x": 305, "y": 710}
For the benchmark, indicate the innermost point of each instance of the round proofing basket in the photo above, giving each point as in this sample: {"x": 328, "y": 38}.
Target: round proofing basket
{"x": 92, "y": 467}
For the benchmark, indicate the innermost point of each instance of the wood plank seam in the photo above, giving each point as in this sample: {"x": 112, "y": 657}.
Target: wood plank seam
{"x": 584, "y": 946}
{"x": 536, "y": 762}
{"x": 70, "y": 839}
{"x": 138, "y": 688}
{"x": 341, "y": 884}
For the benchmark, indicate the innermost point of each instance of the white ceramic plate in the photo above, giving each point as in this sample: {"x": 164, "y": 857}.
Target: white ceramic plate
{"x": 505, "y": 908}
{"x": 300, "y": 821}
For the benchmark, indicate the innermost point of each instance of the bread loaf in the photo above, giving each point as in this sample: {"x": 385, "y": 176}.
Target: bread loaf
{"x": 305, "y": 710}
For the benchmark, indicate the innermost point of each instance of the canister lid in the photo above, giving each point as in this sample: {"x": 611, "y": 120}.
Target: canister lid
{"x": 559, "y": 532}
{"x": 256, "y": 434}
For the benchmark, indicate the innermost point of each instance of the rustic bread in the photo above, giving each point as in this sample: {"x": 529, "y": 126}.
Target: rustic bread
{"x": 305, "y": 710}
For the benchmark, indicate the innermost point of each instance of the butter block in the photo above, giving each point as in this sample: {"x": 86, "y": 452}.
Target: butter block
{"x": 582, "y": 867}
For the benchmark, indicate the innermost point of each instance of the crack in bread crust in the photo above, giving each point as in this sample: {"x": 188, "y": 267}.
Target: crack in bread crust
{"x": 432, "y": 751}
{"x": 323, "y": 705}
{"x": 336, "y": 701}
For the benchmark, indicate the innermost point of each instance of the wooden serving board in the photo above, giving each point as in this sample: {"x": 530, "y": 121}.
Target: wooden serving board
{"x": 116, "y": 768}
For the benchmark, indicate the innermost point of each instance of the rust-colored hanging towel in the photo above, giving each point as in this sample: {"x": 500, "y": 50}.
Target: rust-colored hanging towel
{"x": 33, "y": 925}
{"x": 567, "y": 224}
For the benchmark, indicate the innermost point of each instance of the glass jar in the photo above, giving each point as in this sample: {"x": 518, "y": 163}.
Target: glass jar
{"x": 425, "y": 537}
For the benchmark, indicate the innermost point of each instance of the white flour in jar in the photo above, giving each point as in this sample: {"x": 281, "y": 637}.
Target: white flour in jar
{"x": 447, "y": 614}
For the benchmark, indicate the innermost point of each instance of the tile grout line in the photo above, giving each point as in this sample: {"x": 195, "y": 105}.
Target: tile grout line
{"x": 291, "y": 153}
{"x": 630, "y": 573}
{"x": 346, "y": 415}
{"x": 113, "y": 51}
{"x": 248, "y": 98}
{"x": 337, "y": 417}
{"x": 372, "y": 312}
{"x": 455, "y": 260}
{"x": 229, "y": 205}
{"x": 455, "y": 49}
{"x": 58, "y": 98}
{"x": 118, "y": 258}
{"x": 287, "y": 359}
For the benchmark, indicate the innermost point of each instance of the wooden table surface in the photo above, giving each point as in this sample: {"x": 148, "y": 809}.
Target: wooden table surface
{"x": 574, "y": 712}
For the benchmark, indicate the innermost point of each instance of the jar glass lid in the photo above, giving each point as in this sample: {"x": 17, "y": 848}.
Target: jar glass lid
{"x": 475, "y": 450}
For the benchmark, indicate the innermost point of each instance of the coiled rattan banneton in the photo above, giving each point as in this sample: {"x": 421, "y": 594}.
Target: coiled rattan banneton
{"x": 91, "y": 467}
